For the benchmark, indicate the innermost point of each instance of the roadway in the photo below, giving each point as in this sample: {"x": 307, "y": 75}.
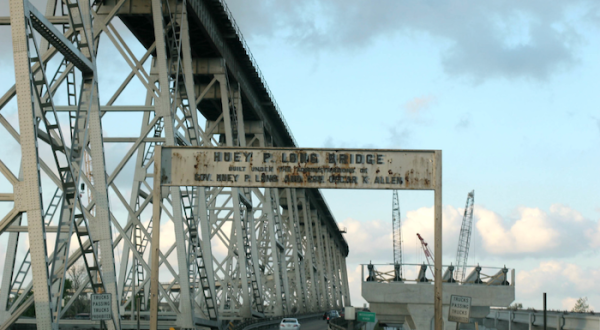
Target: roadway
{"x": 313, "y": 324}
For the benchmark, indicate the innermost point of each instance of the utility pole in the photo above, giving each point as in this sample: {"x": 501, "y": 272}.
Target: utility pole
{"x": 544, "y": 310}
{"x": 397, "y": 237}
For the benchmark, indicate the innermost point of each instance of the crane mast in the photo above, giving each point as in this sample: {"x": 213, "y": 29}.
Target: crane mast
{"x": 397, "y": 234}
{"x": 464, "y": 240}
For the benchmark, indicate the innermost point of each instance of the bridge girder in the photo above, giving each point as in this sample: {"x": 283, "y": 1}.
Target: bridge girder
{"x": 204, "y": 90}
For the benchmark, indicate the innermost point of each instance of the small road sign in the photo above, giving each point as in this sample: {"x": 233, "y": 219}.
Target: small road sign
{"x": 101, "y": 307}
{"x": 349, "y": 313}
{"x": 460, "y": 307}
{"x": 365, "y": 316}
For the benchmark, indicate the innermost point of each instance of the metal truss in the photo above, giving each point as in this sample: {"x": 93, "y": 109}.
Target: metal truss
{"x": 226, "y": 254}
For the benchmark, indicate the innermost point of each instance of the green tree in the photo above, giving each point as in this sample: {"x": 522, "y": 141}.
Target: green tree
{"x": 30, "y": 311}
{"x": 581, "y": 306}
{"x": 516, "y": 306}
{"x": 76, "y": 278}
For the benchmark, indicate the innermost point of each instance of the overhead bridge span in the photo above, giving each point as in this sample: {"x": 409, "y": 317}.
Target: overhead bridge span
{"x": 99, "y": 85}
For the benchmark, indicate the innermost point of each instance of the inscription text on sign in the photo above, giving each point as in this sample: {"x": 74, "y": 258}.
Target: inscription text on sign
{"x": 460, "y": 308}
{"x": 299, "y": 168}
{"x": 101, "y": 307}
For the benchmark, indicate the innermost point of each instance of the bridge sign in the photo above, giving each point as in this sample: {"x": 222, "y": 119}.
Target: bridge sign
{"x": 299, "y": 168}
{"x": 365, "y": 316}
{"x": 460, "y": 307}
{"x": 101, "y": 307}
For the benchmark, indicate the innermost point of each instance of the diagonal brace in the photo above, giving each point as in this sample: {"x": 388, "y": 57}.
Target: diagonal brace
{"x": 41, "y": 24}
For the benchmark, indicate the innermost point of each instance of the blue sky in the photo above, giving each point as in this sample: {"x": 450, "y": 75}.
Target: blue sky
{"x": 508, "y": 91}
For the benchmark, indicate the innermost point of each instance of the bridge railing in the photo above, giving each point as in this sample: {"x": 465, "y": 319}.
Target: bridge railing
{"x": 422, "y": 273}
{"x": 560, "y": 320}
{"x": 255, "y": 65}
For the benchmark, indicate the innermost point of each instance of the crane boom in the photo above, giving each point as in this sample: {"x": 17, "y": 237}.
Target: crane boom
{"x": 464, "y": 240}
{"x": 397, "y": 233}
{"x": 428, "y": 253}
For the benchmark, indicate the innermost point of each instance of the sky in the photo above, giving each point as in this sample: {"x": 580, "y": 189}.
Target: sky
{"x": 506, "y": 89}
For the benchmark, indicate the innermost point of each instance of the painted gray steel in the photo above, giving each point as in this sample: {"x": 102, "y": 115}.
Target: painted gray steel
{"x": 279, "y": 250}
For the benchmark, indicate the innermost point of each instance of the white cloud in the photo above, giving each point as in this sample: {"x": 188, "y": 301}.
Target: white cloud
{"x": 511, "y": 39}
{"x": 559, "y": 232}
{"x": 593, "y": 234}
{"x": 519, "y": 237}
{"x": 417, "y": 105}
{"x": 562, "y": 231}
{"x": 369, "y": 241}
{"x": 560, "y": 279}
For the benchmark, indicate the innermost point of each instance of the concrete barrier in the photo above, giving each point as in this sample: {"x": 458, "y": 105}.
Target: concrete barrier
{"x": 504, "y": 319}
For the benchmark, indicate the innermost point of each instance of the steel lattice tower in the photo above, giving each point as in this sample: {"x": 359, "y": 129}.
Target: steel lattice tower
{"x": 78, "y": 138}
{"x": 464, "y": 240}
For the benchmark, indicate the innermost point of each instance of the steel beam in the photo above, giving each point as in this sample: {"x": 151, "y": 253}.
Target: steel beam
{"x": 347, "y": 301}
{"x": 261, "y": 245}
{"x": 5, "y": 20}
{"x": 309, "y": 253}
{"x": 321, "y": 260}
{"x": 58, "y": 40}
{"x": 28, "y": 190}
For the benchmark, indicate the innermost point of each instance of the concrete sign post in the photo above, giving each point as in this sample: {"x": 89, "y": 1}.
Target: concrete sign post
{"x": 460, "y": 308}
{"x": 299, "y": 168}
{"x": 101, "y": 307}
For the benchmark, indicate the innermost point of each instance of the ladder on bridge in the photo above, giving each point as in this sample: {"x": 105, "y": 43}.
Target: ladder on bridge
{"x": 53, "y": 206}
{"x": 295, "y": 227}
{"x": 245, "y": 214}
{"x": 71, "y": 215}
{"x": 142, "y": 242}
{"x": 176, "y": 75}
{"x": 187, "y": 199}
{"x": 137, "y": 270}
{"x": 149, "y": 155}
{"x": 23, "y": 270}
{"x": 280, "y": 248}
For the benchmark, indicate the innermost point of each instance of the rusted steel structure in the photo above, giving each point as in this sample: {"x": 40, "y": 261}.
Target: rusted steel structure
{"x": 226, "y": 253}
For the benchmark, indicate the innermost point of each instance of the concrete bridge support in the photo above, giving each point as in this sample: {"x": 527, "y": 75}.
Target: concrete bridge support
{"x": 409, "y": 303}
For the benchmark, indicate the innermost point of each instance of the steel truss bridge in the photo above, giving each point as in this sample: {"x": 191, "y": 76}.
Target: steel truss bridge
{"x": 76, "y": 167}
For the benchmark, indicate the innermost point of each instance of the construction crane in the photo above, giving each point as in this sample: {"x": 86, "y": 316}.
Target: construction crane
{"x": 464, "y": 240}
{"x": 428, "y": 253}
{"x": 397, "y": 234}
